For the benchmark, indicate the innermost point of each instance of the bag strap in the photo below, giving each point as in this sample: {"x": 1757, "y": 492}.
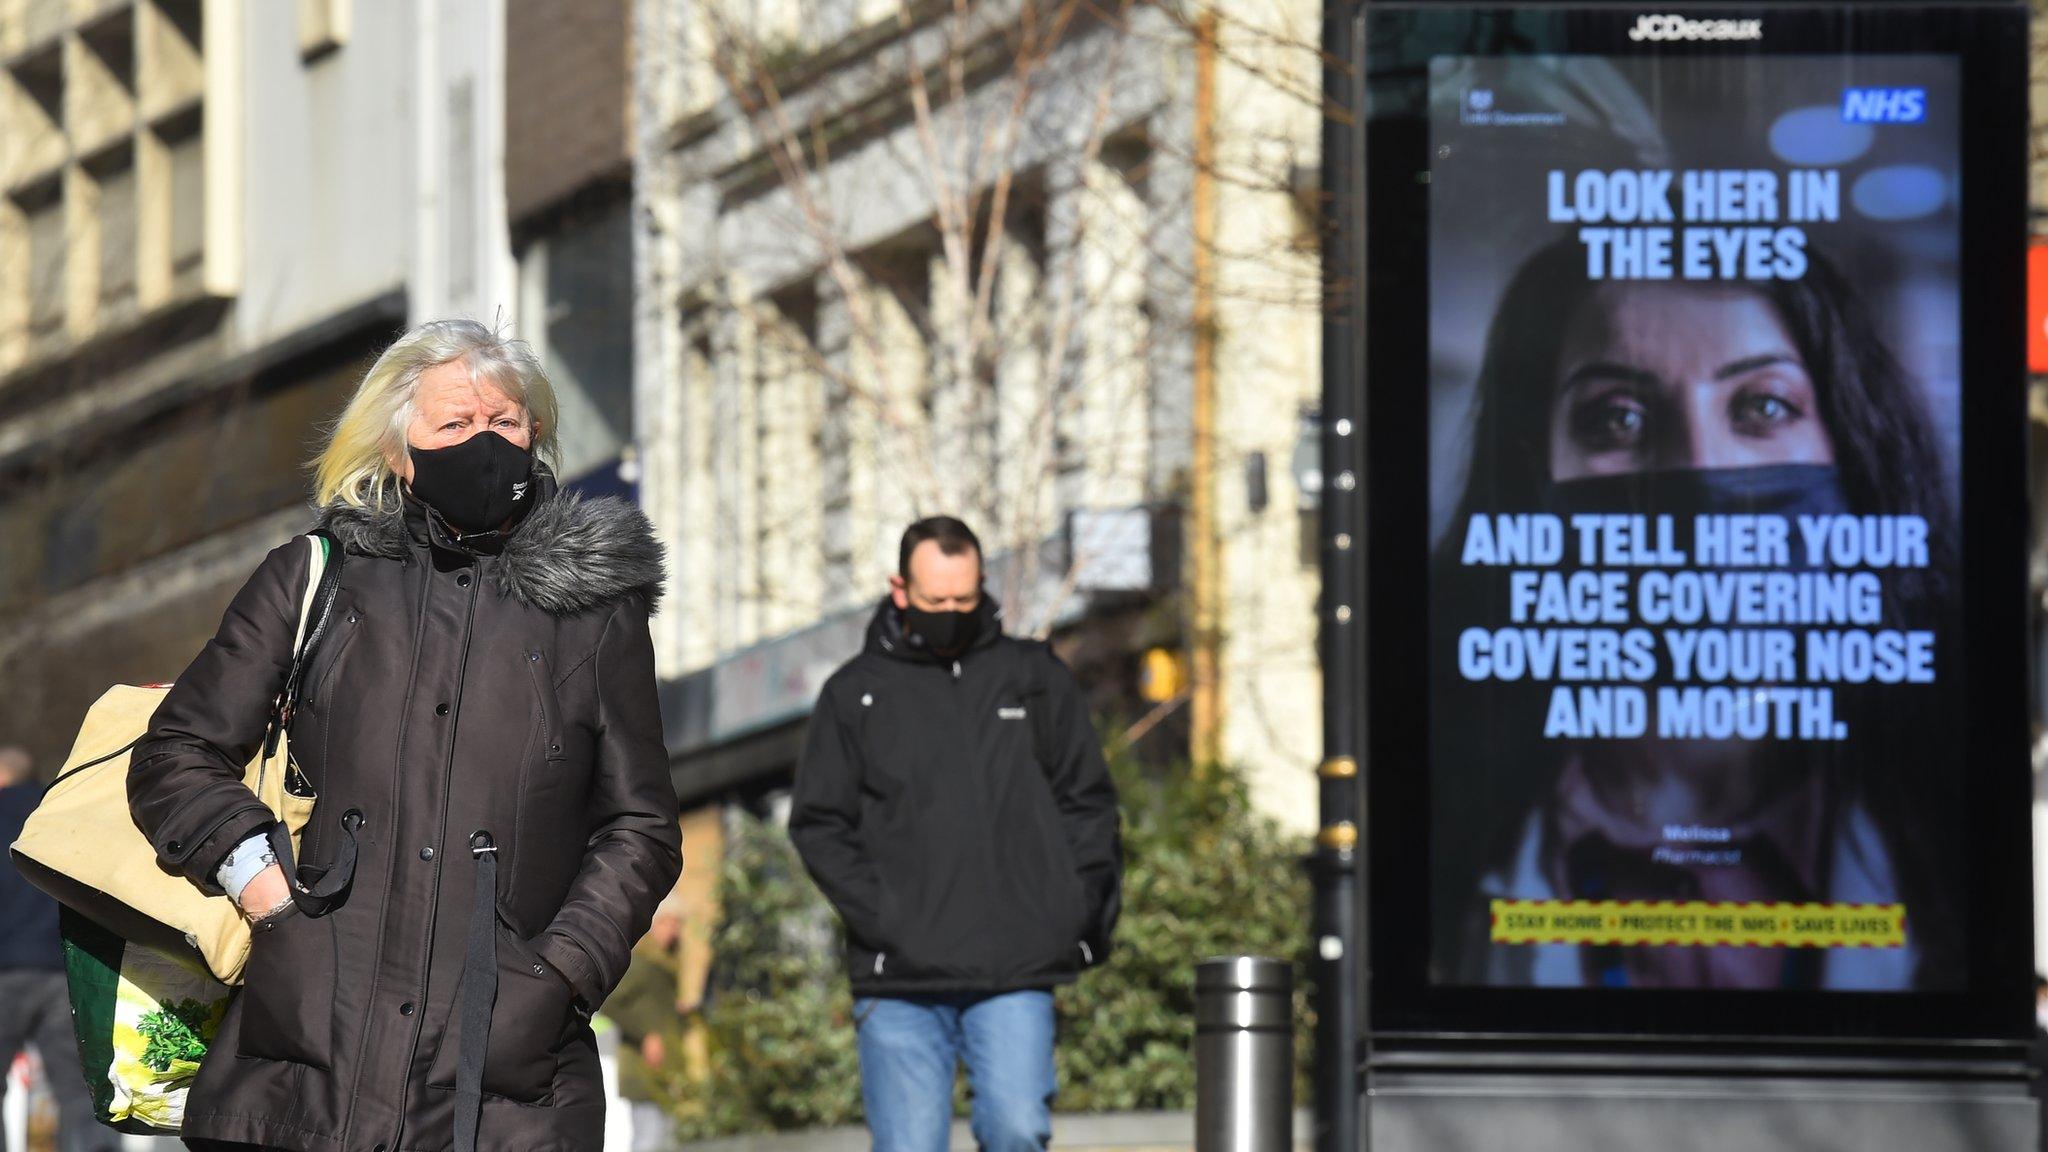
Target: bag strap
{"x": 323, "y": 582}
{"x": 315, "y": 572}
{"x": 316, "y": 892}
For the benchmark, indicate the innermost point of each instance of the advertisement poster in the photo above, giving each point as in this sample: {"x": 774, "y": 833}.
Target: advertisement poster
{"x": 1694, "y": 392}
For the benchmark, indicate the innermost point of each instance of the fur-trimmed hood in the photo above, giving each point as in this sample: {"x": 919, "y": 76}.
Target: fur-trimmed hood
{"x": 569, "y": 555}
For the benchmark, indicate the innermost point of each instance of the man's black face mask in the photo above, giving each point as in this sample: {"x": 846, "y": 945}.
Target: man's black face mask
{"x": 476, "y": 485}
{"x": 946, "y": 634}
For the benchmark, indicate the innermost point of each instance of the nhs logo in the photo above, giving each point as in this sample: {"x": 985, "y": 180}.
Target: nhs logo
{"x": 1884, "y": 105}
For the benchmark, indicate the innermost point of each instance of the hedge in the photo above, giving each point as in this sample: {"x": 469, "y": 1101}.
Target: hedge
{"x": 1204, "y": 875}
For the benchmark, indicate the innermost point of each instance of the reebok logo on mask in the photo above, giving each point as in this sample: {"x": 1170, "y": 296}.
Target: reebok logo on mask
{"x": 476, "y": 485}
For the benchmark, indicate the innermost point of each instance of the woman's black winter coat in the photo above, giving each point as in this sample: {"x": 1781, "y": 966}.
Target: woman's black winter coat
{"x": 505, "y": 687}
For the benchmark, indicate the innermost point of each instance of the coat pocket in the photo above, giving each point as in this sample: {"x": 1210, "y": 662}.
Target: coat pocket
{"x": 553, "y": 735}
{"x": 529, "y": 1025}
{"x": 906, "y": 951}
{"x": 344, "y": 623}
{"x": 1040, "y": 884}
{"x": 287, "y": 1000}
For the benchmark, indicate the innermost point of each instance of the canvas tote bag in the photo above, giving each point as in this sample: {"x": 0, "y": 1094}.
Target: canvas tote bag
{"x": 150, "y": 959}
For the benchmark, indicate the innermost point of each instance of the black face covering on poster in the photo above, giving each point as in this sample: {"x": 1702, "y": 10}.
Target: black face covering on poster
{"x": 1778, "y": 489}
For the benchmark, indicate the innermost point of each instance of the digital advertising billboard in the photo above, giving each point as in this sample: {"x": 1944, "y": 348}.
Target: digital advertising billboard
{"x": 1695, "y": 392}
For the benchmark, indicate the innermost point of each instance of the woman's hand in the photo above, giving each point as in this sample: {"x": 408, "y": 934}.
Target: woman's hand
{"x": 651, "y": 1049}
{"x": 266, "y": 894}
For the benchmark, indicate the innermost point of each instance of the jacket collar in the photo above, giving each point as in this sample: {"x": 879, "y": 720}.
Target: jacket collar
{"x": 568, "y": 555}
{"x": 887, "y": 636}
{"x": 427, "y": 526}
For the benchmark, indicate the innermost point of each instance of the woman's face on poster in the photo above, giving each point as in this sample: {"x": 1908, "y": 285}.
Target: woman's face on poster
{"x": 1657, "y": 376}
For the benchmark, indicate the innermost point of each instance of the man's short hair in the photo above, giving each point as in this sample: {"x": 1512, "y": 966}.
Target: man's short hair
{"x": 952, "y": 537}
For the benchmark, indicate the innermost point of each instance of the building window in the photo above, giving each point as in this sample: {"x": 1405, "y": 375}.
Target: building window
{"x": 184, "y": 146}
{"x": 578, "y": 313}
{"x": 323, "y": 27}
{"x": 113, "y": 184}
{"x": 42, "y": 207}
{"x": 103, "y": 175}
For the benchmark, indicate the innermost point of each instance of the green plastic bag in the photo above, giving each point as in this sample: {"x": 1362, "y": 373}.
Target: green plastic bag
{"x": 143, "y": 1019}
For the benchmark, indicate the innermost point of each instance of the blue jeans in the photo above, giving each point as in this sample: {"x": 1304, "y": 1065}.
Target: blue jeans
{"x": 910, "y": 1047}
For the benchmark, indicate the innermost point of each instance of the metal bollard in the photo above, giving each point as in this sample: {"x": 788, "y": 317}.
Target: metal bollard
{"x": 1244, "y": 1055}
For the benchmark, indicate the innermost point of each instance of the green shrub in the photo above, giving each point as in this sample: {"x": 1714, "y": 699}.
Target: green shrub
{"x": 779, "y": 1020}
{"x": 1203, "y": 876}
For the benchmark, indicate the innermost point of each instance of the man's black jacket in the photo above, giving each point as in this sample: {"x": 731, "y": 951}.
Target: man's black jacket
{"x": 959, "y": 815}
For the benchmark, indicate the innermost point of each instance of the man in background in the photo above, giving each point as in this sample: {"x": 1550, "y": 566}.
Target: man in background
{"x": 35, "y": 1005}
{"x": 953, "y": 804}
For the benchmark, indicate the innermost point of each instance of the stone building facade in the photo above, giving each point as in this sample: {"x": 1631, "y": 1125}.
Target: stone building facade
{"x": 212, "y": 214}
{"x": 1120, "y": 395}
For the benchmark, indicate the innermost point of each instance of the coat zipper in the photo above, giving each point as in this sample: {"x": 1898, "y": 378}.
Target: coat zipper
{"x": 882, "y": 958}
{"x": 447, "y": 783}
{"x": 980, "y": 785}
{"x": 419, "y": 634}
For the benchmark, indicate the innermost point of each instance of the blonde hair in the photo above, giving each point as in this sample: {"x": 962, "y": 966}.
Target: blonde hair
{"x": 354, "y": 466}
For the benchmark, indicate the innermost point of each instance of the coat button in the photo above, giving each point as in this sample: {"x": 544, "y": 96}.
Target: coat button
{"x": 427, "y": 853}
{"x": 462, "y": 580}
{"x": 405, "y": 1009}
{"x": 176, "y": 846}
{"x": 378, "y": 1148}
{"x": 539, "y": 971}
{"x": 441, "y": 709}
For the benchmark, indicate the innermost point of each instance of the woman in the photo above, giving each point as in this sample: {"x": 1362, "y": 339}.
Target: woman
{"x": 1685, "y": 398}
{"x": 480, "y": 726}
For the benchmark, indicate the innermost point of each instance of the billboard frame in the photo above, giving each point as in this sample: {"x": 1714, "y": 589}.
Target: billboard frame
{"x": 1404, "y": 1005}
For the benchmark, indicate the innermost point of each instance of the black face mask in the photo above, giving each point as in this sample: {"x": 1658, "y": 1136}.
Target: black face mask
{"x": 1783, "y": 489}
{"x": 946, "y": 634}
{"x": 476, "y": 485}
{"x": 1787, "y": 490}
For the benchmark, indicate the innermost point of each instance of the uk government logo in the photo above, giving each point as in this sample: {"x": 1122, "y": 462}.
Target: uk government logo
{"x": 1680, "y": 28}
{"x": 1479, "y": 110}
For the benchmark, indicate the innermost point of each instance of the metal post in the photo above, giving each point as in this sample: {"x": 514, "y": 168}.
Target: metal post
{"x": 1244, "y": 1055}
{"x": 2037, "y": 1058}
{"x": 1341, "y": 1109}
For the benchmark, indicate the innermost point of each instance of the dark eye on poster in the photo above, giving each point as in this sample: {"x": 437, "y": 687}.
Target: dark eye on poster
{"x": 1695, "y": 394}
